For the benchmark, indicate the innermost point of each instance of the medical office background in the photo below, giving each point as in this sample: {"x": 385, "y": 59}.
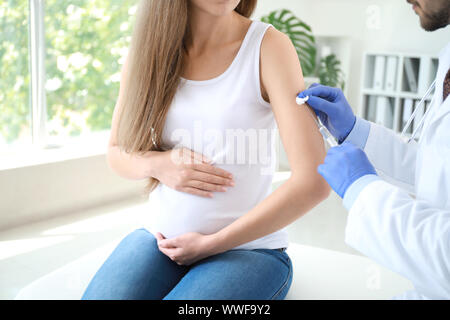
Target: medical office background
{"x": 58, "y": 198}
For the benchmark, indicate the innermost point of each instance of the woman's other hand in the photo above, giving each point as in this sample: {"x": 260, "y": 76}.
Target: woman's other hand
{"x": 187, "y": 248}
{"x": 187, "y": 171}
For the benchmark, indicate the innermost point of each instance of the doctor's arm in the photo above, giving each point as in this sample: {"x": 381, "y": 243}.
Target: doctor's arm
{"x": 392, "y": 157}
{"x": 405, "y": 235}
{"x": 394, "y": 160}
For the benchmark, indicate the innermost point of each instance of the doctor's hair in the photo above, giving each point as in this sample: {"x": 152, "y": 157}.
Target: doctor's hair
{"x": 154, "y": 68}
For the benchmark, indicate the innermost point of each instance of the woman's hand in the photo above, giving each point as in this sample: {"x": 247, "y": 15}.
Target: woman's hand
{"x": 187, "y": 171}
{"x": 187, "y": 248}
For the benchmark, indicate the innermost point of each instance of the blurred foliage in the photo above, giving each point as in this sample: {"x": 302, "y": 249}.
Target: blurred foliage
{"x": 300, "y": 34}
{"x": 328, "y": 69}
{"x": 86, "y": 42}
{"x": 330, "y": 72}
{"x": 14, "y": 76}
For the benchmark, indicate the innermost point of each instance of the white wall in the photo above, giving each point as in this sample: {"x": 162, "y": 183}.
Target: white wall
{"x": 398, "y": 28}
{"x": 39, "y": 192}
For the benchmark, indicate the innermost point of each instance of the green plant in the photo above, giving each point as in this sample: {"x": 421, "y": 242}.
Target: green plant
{"x": 300, "y": 34}
{"x": 329, "y": 69}
{"x": 330, "y": 72}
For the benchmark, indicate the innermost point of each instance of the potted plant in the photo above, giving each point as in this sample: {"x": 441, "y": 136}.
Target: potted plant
{"x": 327, "y": 71}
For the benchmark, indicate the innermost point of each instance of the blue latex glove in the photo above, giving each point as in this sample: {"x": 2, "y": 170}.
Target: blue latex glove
{"x": 344, "y": 165}
{"x": 332, "y": 108}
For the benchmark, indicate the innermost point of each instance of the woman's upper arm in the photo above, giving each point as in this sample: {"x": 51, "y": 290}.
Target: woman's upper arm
{"x": 282, "y": 79}
{"x": 115, "y": 118}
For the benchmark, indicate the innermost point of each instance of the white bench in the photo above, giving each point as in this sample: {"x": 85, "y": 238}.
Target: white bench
{"x": 318, "y": 274}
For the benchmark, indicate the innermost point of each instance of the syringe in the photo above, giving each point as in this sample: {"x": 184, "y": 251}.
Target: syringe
{"x": 322, "y": 129}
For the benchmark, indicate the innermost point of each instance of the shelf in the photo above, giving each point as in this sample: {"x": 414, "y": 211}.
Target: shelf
{"x": 391, "y": 81}
{"x": 409, "y": 95}
{"x": 374, "y": 92}
{"x": 380, "y": 110}
{"x": 411, "y": 77}
{"x": 402, "y": 95}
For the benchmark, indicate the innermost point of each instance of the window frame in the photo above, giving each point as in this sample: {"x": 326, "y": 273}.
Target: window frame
{"x": 36, "y": 36}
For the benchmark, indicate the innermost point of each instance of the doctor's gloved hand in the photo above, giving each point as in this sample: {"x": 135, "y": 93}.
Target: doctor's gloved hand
{"x": 343, "y": 166}
{"x": 332, "y": 108}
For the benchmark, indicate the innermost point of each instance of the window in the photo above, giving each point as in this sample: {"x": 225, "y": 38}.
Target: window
{"x": 86, "y": 43}
{"x": 74, "y": 51}
{"x": 15, "y": 113}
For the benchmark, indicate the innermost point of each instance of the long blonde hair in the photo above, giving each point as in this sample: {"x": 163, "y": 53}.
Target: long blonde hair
{"x": 155, "y": 65}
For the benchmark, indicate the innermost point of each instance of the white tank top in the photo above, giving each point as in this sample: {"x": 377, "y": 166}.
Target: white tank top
{"x": 226, "y": 119}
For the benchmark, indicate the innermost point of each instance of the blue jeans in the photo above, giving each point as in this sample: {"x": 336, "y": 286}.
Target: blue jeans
{"x": 138, "y": 270}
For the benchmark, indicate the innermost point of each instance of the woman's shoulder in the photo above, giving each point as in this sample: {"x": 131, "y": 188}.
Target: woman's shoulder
{"x": 278, "y": 50}
{"x": 275, "y": 40}
{"x": 279, "y": 61}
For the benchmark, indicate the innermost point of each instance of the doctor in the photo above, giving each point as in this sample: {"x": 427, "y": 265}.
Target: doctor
{"x": 397, "y": 193}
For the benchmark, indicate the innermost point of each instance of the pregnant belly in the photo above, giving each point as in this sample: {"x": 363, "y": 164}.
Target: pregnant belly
{"x": 173, "y": 213}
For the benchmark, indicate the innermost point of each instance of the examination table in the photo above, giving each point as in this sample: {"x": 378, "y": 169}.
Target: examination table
{"x": 318, "y": 274}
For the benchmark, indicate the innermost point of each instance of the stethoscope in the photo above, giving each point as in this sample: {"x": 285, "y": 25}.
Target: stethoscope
{"x": 413, "y": 116}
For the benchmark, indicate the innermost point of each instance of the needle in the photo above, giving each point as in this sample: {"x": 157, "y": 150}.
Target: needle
{"x": 322, "y": 129}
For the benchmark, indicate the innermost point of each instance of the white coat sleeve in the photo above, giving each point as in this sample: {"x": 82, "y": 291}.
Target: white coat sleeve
{"x": 393, "y": 158}
{"x": 405, "y": 235}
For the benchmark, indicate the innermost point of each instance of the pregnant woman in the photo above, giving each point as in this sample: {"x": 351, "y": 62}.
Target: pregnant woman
{"x": 203, "y": 90}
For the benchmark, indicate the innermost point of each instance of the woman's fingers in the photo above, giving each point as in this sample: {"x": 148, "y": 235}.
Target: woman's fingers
{"x": 199, "y": 158}
{"x": 209, "y": 182}
{"x": 207, "y": 186}
{"x": 202, "y": 163}
{"x": 198, "y": 175}
{"x": 197, "y": 192}
{"x": 190, "y": 157}
{"x": 208, "y": 178}
{"x": 186, "y": 156}
{"x": 211, "y": 179}
{"x": 159, "y": 236}
{"x": 172, "y": 253}
{"x": 207, "y": 168}
{"x": 168, "y": 243}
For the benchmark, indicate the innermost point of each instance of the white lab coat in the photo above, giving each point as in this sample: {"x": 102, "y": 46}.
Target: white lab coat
{"x": 403, "y": 221}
